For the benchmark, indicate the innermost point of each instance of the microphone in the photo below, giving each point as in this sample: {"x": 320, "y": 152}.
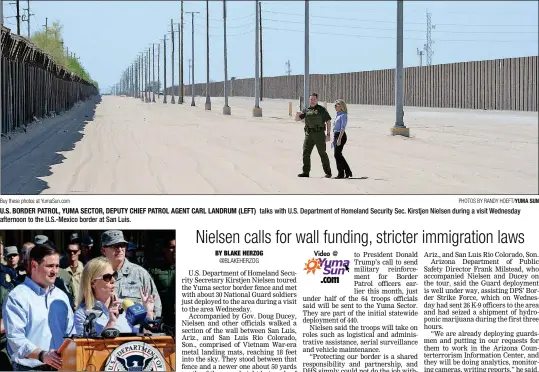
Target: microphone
{"x": 92, "y": 314}
{"x": 89, "y": 323}
{"x": 136, "y": 315}
{"x": 110, "y": 333}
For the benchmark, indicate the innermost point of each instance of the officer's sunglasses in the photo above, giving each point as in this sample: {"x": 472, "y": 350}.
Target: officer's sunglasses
{"x": 117, "y": 246}
{"x": 108, "y": 277}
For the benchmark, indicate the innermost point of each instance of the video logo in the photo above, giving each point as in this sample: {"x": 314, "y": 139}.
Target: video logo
{"x": 331, "y": 270}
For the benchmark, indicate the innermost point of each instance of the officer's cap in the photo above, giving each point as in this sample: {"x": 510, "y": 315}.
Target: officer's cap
{"x": 74, "y": 238}
{"x": 41, "y": 239}
{"x": 11, "y": 250}
{"x": 88, "y": 240}
{"x": 112, "y": 237}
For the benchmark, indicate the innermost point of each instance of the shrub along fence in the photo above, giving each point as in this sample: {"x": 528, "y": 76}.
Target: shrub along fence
{"x": 33, "y": 85}
{"x": 501, "y": 84}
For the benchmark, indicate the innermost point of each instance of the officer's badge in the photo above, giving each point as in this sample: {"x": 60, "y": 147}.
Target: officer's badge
{"x": 8, "y": 278}
{"x": 316, "y": 112}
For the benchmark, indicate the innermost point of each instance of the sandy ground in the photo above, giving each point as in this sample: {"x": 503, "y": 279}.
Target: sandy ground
{"x": 130, "y": 147}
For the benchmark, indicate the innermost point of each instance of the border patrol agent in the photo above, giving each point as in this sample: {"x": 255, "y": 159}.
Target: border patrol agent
{"x": 164, "y": 275}
{"x": 7, "y": 283}
{"x": 86, "y": 247}
{"x": 316, "y": 120}
{"x": 5, "y": 360}
{"x": 8, "y": 277}
{"x": 131, "y": 277}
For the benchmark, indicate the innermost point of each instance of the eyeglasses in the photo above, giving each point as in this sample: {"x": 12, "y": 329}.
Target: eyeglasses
{"x": 108, "y": 277}
{"x": 72, "y": 252}
{"x": 337, "y": 105}
{"x": 117, "y": 246}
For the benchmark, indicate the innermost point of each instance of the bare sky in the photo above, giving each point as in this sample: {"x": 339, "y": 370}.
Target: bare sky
{"x": 345, "y": 36}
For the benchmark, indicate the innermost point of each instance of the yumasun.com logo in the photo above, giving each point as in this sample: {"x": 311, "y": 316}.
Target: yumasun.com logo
{"x": 331, "y": 269}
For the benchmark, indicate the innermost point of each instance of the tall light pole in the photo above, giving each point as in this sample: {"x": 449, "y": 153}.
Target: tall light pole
{"x": 257, "y": 111}
{"x": 172, "y": 58}
{"x": 181, "y": 54}
{"x": 141, "y": 74}
{"x": 153, "y": 72}
{"x": 158, "y": 69}
{"x": 137, "y": 79}
{"x": 193, "y": 56}
{"x": 180, "y": 79}
{"x": 207, "y": 105}
{"x": 165, "y": 69}
{"x": 399, "y": 128}
{"x": 189, "y": 69}
{"x": 306, "y": 76}
{"x": 148, "y": 75}
{"x": 226, "y": 108}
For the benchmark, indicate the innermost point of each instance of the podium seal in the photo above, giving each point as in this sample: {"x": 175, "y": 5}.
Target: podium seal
{"x": 135, "y": 356}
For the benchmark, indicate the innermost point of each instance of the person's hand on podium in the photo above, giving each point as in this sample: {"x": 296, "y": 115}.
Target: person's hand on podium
{"x": 52, "y": 359}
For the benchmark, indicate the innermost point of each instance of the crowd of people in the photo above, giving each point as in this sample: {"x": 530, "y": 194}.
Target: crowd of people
{"x": 45, "y": 295}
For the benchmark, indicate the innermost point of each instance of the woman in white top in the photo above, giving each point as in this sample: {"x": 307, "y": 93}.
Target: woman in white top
{"x": 97, "y": 288}
{"x": 339, "y": 139}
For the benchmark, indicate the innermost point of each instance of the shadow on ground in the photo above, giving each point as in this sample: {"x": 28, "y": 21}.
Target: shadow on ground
{"x": 29, "y": 156}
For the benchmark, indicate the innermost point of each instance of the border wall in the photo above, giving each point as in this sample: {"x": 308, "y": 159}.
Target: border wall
{"x": 500, "y": 84}
{"x": 33, "y": 86}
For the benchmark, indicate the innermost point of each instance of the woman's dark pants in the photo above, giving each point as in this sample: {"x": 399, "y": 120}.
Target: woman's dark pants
{"x": 342, "y": 165}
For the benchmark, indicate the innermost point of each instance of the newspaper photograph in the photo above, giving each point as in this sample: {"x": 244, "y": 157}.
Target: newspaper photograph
{"x": 353, "y": 186}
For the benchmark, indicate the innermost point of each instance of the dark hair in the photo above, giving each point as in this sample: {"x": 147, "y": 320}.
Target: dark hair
{"x": 314, "y": 95}
{"x": 40, "y": 251}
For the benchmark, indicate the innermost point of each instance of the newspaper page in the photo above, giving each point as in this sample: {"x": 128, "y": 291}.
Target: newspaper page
{"x": 441, "y": 284}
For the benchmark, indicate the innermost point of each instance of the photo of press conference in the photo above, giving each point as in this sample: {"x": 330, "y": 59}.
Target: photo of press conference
{"x": 87, "y": 300}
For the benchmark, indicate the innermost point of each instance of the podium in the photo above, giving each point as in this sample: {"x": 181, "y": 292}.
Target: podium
{"x": 135, "y": 353}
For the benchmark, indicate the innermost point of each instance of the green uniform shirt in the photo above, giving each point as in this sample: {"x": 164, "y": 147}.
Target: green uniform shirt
{"x": 3, "y": 339}
{"x": 164, "y": 277}
{"x": 316, "y": 117}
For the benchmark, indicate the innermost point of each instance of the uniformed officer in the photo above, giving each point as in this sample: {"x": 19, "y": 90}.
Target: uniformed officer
{"x": 7, "y": 277}
{"x": 86, "y": 248}
{"x": 131, "y": 252}
{"x": 164, "y": 275}
{"x": 7, "y": 283}
{"x": 131, "y": 277}
{"x": 2, "y": 258}
{"x": 21, "y": 270}
{"x": 5, "y": 360}
{"x": 316, "y": 120}
{"x": 12, "y": 257}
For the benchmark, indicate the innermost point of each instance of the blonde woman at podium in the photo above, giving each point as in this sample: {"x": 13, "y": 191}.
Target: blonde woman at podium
{"x": 97, "y": 295}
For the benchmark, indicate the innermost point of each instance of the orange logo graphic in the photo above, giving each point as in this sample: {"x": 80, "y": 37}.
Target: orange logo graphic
{"x": 312, "y": 265}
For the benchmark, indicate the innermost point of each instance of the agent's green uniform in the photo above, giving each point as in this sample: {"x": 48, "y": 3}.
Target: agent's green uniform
{"x": 315, "y": 135}
{"x": 164, "y": 276}
{"x": 5, "y": 360}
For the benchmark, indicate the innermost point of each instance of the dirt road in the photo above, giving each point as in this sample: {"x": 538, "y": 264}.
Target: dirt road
{"x": 130, "y": 147}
